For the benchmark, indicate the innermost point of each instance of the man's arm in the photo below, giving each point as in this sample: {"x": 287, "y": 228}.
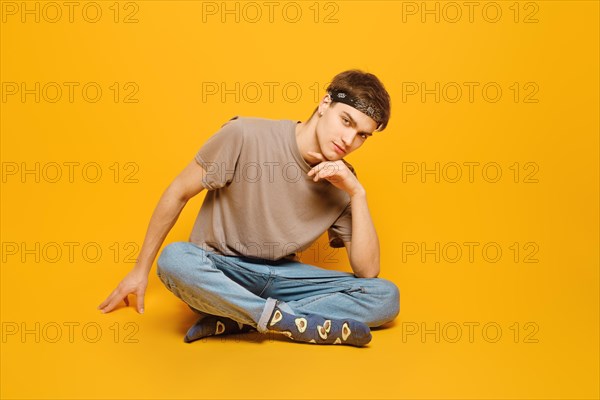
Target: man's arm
{"x": 185, "y": 186}
{"x": 363, "y": 250}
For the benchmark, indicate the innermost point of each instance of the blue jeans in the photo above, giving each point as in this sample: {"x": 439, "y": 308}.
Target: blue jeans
{"x": 245, "y": 289}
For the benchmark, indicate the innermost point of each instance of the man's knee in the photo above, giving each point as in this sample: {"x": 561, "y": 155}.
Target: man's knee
{"x": 389, "y": 299}
{"x": 394, "y": 301}
{"x": 173, "y": 258}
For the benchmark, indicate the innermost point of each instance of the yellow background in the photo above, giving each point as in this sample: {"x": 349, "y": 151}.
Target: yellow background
{"x": 169, "y": 53}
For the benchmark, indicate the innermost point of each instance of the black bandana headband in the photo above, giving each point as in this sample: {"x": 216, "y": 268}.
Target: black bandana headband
{"x": 365, "y": 108}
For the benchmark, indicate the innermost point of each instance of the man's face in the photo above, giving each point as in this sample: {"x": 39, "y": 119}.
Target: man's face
{"x": 341, "y": 126}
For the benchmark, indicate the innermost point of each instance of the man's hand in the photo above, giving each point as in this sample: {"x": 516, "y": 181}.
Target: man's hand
{"x": 337, "y": 173}
{"x": 135, "y": 282}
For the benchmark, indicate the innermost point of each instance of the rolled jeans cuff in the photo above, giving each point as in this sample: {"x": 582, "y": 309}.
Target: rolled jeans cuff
{"x": 261, "y": 326}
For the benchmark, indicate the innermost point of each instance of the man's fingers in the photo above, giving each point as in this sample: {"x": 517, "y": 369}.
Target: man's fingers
{"x": 317, "y": 167}
{"x": 319, "y": 173}
{"x": 140, "y": 301}
{"x": 323, "y": 171}
{"x": 109, "y": 304}
{"x": 113, "y": 303}
{"x": 106, "y": 307}
{"x": 107, "y": 300}
{"x": 101, "y": 305}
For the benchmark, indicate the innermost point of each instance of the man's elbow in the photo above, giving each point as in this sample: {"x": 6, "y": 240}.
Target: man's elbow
{"x": 368, "y": 276}
{"x": 369, "y": 272}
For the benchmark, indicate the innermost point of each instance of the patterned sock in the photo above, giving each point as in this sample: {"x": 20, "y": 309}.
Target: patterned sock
{"x": 312, "y": 328}
{"x": 212, "y": 325}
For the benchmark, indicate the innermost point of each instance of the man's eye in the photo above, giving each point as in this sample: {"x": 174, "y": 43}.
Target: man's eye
{"x": 346, "y": 120}
{"x": 364, "y": 135}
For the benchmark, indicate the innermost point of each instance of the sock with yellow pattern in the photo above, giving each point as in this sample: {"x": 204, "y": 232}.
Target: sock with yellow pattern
{"x": 312, "y": 328}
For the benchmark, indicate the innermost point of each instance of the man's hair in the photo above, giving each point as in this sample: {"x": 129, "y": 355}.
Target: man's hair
{"x": 366, "y": 88}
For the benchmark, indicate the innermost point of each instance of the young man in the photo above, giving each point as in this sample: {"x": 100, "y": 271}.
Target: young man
{"x": 273, "y": 187}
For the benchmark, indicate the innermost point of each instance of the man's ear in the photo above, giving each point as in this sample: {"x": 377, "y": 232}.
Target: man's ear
{"x": 325, "y": 103}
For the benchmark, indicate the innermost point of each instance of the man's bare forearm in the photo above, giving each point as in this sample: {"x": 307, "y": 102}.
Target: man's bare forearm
{"x": 364, "y": 248}
{"x": 163, "y": 218}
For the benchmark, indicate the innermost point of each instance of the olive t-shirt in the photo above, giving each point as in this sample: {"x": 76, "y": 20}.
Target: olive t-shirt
{"x": 260, "y": 202}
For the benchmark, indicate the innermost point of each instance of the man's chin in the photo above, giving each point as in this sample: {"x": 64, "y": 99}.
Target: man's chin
{"x": 324, "y": 155}
{"x": 335, "y": 157}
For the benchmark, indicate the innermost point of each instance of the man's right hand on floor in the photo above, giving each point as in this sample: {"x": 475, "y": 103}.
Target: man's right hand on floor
{"x": 135, "y": 282}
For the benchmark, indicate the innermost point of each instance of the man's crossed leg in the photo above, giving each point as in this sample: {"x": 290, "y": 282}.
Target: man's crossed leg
{"x": 300, "y": 301}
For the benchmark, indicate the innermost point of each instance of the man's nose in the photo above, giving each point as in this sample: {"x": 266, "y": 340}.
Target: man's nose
{"x": 348, "y": 137}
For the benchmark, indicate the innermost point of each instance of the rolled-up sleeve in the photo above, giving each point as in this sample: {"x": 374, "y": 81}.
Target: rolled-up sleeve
{"x": 220, "y": 153}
